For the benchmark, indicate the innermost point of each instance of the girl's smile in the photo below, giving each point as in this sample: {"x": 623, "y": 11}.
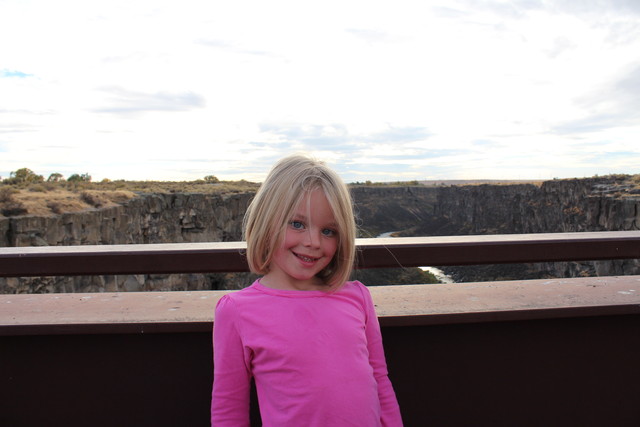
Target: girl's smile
{"x": 310, "y": 242}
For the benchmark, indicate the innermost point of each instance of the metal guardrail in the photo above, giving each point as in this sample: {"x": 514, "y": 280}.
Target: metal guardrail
{"x": 372, "y": 253}
{"x": 148, "y": 354}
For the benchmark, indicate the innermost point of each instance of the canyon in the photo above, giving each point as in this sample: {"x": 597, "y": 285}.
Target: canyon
{"x": 576, "y": 205}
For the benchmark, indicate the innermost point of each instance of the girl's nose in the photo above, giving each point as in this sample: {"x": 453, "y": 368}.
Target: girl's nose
{"x": 313, "y": 238}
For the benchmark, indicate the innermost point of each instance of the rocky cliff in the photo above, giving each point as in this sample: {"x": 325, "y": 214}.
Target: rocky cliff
{"x": 150, "y": 218}
{"x": 597, "y": 204}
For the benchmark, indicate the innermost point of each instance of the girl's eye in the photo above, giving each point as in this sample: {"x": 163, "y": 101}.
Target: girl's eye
{"x": 328, "y": 232}
{"x": 297, "y": 225}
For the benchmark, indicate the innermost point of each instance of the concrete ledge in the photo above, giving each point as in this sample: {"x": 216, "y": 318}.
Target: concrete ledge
{"x": 408, "y": 305}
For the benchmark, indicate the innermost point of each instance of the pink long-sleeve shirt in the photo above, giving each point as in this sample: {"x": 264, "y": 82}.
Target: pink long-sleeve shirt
{"x": 317, "y": 359}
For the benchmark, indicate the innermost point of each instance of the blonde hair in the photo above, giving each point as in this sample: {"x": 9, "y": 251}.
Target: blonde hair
{"x": 274, "y": 204}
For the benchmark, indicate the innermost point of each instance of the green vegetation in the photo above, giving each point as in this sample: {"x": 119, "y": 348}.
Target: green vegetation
{"x": 23, "y": 176}
{"x": 55, "y": 177}
{"x": 85, "y": 177}
{"x": 394, "y": 276}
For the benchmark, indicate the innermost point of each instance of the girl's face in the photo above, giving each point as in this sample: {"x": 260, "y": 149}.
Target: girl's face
{"x": 310, "y": 242}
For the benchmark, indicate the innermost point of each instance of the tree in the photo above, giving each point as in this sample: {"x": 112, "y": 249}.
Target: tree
{"x": 210, "y": 179}
{"x": 55, "y": 177}
{"x": 85, "y": 177}
{"x": 24, "y": 175}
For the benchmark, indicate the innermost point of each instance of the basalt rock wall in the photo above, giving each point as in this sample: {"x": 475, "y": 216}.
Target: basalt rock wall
{"x": 599, "y": 204}
{"x": 150, "y": 218}
{"x": 554, "y": 207}
{"x": 384, "y": 209}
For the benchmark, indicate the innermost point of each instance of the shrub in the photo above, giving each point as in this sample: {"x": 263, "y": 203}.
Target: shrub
{"x": 8, "y": 205}
{"x": 38, "y": 188}
{"x": 25, "y": 175}
{"x": 119, "y": 196}
{"x": 6, "y": 194}
{"x": 93, "y": 198}
{"x": 85, "y": 177}
{"x": 55, "y": 207}
{"x": 13, "y": 209}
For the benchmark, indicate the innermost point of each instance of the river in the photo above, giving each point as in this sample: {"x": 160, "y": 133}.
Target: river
{"x": 440, "y": 275}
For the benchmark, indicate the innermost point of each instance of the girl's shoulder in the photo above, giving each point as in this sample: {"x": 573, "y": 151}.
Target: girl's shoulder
{"x": 355, "y": 290}
{"x": 235, "y": 297}
{"x": 354, "y": 286}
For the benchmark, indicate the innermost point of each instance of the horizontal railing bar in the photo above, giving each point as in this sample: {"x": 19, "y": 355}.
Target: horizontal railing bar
{"x": 161, "y": 258}
{"x": 500, "y": 249}
{"x": 372, "y": 253}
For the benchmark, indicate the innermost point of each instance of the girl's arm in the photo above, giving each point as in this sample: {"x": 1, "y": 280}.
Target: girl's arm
{"x": 231, "y": 375}
{"x": 390, "y": 411}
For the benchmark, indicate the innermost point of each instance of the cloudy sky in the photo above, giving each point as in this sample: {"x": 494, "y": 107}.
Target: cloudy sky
{"x": 381, "y": 90}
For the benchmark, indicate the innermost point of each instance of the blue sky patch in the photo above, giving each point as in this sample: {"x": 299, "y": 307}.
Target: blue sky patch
{"x": 13, "y": 73}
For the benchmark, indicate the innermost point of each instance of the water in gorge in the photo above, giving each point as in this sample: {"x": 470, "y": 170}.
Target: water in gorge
{"x": 440, "y": 275}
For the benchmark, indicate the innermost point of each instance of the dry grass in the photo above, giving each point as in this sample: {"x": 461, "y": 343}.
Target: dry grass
{"x": 49, "y": 198}
{"x": 467, "y": 182}
{"x": 55, "y": 198}
{"x": 173, "y": 186}
{"x": 62, "y": 200}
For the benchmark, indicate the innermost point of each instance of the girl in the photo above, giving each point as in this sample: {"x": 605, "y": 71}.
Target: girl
{"x": 309, "y": 338}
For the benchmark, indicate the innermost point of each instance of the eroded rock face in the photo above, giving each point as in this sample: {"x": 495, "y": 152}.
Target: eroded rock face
{"x": 150, "y": 218}
{"x": 598, "y": 204}
{"x": 555, "y": 207}
{"x": 579, "y": 205}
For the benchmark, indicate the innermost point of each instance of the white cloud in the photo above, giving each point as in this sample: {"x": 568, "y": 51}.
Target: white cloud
{"x": 167, "y": 90}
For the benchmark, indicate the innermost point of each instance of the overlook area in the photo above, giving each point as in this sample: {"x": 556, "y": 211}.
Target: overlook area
{"x": 76, "y": 212}
{"x": 538, "y": 352}
{"x": 491, "y": 152}
{"x": 565, "y": 344}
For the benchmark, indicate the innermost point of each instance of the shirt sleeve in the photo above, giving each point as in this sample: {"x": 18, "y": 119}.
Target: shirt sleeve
{"x": 389, "y": 408}
{"x": 231, "y": 373}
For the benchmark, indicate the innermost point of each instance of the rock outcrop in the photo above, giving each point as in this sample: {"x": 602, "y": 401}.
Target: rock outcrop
{"x": 578, "y": 205}
{"x": 597, "y": 204}
{"x": 150, "y": 218}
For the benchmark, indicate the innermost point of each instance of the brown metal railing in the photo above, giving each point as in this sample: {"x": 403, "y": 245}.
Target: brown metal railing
{"x": 553, "y": 352}
{"x": 372, "y": 253}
